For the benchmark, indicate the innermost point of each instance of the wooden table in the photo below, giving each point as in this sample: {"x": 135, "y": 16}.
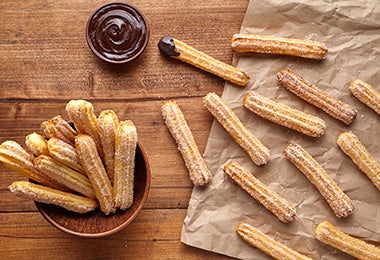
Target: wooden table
{"x": 45, "y": 61}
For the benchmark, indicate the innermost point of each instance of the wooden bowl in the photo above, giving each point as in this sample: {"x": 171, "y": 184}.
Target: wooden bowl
{"x": 96, "y": 224}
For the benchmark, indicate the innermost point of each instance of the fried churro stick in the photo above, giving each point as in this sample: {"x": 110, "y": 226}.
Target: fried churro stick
{"x": 181, "y": 51}
{"x": 330, "y": 235}
{"x": 276, "y": 204}
{"x": 367, "y": 94}
{"x": 81, "y": 112}
{"x": 284, "y": 115}
{"x": 315, "y": 96}
{"x": 48, "y": 195}
{"x": 107, "y": 125}
{"x": 351, "y": 146}
{"x": 235, "y": 128}
{"x": 278, "y": 45}
{"x": 125, "y": 150}
{"x": 13, "y": 156}
{"x": 175, "y": 121}
{"x": 65, "y": 154}
{"x": 64, "y": 175}
{"x": 60, "y": 128}
{"x": 340, "y": 203}
{"x": 266, "y": 244}
{"x": 96, "y": 172}
{"x": 36, "y": 144}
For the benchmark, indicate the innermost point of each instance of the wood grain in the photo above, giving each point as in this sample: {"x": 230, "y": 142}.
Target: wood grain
{"x": 45, "y": 61}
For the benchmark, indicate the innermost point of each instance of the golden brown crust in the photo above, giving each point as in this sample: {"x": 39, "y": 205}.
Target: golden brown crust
{"x": 59, "y": 128}
{"x": 37, "y": 144}
{"x": 367, "y": 94}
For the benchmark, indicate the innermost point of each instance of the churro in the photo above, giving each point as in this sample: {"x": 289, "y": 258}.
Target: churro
{"x": 180, "y": 131}
{"x": 125, "y": 150}
{"x": 64, "y": 175}
{"x": 276, "y": 204}
{"x": 181, "y": 51}
{"x": 330, "y": 235}
{"x": 65, "y": 154}
{"x": 107, "y": 125}
{"x": 278, "y": 45}
{"x": 351, "y": 146}
{"x": 367, "y": 94}
{"x": 81, "y": 112}
{"x": 266, "y": 244}
{"x": 60, "y": 128}
{"x": 235, "y": 128}
{"x": 37, "y": 144}
{"x": 284, "y": 115}
{"x": 315, "y": 96}
{"x": 48, "y": 195}
{"x": 96, "y": 172}
{"x": 340, "y": 203}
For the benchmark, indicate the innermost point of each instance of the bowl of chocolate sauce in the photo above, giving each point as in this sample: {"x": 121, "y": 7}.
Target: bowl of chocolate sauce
{"x": 117, "y": 33}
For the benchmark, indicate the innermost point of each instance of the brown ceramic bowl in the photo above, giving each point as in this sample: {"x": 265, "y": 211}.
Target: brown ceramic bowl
{"x": 117, "y": 33}
{"x": 96, "y": 224}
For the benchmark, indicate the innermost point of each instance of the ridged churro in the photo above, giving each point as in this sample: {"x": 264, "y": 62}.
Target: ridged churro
{"x": 278, "y": 45}
{"x": 60, "y": 128}
{"x": 125, "y": 150}
{"x": 284, "y": 115}
{"x": 330, "y": 235}
{"x": 64, "y": 175}
{"x": 235, "y": 128}
{"x": 266, "y": 244}
{"x": 367, "y": 94}
{"x": 81, "y": 112}
{"x": 37, "y": 144}
{"x": 96, "y": 172}
{"x": 276, "y": 204}
{"x": 315, "y": 96}
{"x": 180, "y": 131}
{"x": 340, "y": 203}
{"x": 107, "y": 125}
{"x": 13, "y": 156}
{"x": 48, "y": 195}
{"x": 351, "y": 146}
{"x": 181, "y": 51}
{"x": 65, "y": 154}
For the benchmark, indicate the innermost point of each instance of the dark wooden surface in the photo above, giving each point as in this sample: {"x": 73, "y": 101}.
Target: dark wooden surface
{"x": 45, "y": 61}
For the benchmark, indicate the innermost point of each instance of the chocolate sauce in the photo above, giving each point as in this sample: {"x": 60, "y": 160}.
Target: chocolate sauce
{"x": 117, "y": 32}
{"x": 167, "y": 46}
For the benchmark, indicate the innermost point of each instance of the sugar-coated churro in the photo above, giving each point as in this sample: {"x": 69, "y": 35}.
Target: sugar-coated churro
{"x": 48, "y": 195}
{"x": 60, "y": 128}
{"x": 125, "y": 150}
{"x": 316, "y": 96}
{"x": 242, "y": 42}
{"x": 37, "y": 144}
{"x": 107, "y": 125}
{"x": 266, "y": 244}
{"x": 179, "y": 50}
{"x": 181, "y": 133}
{"x": 284, "y": 115}
{"x": 330, "y": 235}
{"x": 367, "y": 94}
{"x": 235, "y": 128}
{"x": 351, "y": 146}
{"x": 276, "y": 204}
{"x": 96, "y": 172}
{"x": 340, "y": 203}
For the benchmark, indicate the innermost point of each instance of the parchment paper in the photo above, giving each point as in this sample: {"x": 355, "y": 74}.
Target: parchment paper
{"x": 351, "y": 29}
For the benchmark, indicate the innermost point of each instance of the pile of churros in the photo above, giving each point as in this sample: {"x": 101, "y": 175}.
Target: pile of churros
{"x": 78, "y": 168}
{"x": 286, "y": 116}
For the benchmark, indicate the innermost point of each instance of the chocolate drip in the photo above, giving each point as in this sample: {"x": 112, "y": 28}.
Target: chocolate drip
{"x": 167, "y": 46}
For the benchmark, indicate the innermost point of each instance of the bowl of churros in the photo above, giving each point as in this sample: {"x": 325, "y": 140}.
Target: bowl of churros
{"x": 88, "y": 177}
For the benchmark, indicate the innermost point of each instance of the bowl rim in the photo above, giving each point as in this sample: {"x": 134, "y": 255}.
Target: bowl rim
{"x": 99, "y": 55}
{"x": 117, "y": 228}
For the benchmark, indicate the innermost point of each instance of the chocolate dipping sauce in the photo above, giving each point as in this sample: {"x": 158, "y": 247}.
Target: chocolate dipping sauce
{"x": 167, "y": 46}
{"x": 117, "y": 32}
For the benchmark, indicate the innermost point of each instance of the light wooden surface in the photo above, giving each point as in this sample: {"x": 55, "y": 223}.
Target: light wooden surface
{"x": 45, "y": 61}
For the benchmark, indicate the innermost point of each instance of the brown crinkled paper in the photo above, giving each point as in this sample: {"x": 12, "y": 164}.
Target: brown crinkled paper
{"x": 351, "y": 30}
